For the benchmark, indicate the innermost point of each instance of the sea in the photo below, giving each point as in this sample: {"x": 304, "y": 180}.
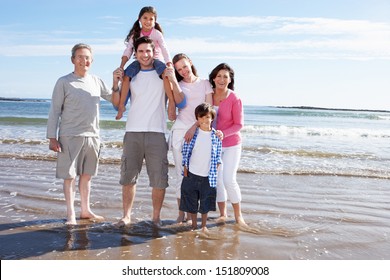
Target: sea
{"x": 276, "y": 140}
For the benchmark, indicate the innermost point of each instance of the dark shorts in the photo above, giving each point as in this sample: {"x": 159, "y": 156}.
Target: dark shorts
{"x": 196, "y": 195}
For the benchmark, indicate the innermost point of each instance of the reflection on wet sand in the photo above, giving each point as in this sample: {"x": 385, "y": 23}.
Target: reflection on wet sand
{"x": 288, "y": 217}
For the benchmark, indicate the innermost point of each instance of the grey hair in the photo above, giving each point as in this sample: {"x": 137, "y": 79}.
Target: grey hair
{"x": 80, "y": 46}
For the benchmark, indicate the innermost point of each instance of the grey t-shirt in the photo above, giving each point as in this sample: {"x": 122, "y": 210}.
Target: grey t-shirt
{"x": 75, "y": 106}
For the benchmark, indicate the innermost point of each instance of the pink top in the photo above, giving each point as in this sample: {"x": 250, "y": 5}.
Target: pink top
{"x": 230, "y": 119}
{"x": 161, "y": 50}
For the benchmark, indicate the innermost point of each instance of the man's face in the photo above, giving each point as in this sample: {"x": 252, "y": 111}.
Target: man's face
{"x": 82, "y": 60}
{"x": 144, "y": 55}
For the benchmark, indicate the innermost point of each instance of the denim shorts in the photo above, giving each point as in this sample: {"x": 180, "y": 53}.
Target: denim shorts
{"x": 196, "y": 195}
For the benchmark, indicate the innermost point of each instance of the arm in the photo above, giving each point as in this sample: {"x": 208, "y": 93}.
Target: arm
{"x": 185, "y": 152}
{"x": 238, "y": 119}
{"x": 127, "y": 53}
{"x": 190, "y": 132}
{"x": 55, "y": 112}
{"x": 209, "y": 98}
{"x": 121, "y": 99}
{"x": 57, "y": 103}
{"x": 159, "y": 37}
{"x": 124, "y": 60}
{"x": 171, "y": 101}
{"x": 117, "y": 77}
{"x": 178, "y": 95}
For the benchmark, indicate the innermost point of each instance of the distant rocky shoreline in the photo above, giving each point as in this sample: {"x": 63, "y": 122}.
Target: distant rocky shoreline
{"x": 21, "y": 99}
{"x": 330, "y": 109}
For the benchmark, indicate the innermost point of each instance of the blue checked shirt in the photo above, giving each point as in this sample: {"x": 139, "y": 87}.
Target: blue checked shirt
{"x": 216, "y": 151}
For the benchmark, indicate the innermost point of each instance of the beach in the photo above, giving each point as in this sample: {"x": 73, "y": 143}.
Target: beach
{"x": 290, "y": 217}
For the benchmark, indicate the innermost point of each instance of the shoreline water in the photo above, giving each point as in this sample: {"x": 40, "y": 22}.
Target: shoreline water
{"x": 292, "y": 217}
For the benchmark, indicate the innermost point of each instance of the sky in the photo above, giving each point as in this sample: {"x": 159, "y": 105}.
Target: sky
{"x": 331, "y": 53}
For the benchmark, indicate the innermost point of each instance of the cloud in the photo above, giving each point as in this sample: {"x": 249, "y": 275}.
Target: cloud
{"x": 292, "y": 37}
{"x": 262, "y": 38}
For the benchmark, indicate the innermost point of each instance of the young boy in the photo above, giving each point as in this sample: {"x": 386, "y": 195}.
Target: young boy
{"x": 201, "y": 158}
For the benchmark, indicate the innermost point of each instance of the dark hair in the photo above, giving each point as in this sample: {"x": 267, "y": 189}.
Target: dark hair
{"x": 214, "y": 73}
{"x": 135, "y": 31}
{"x": 143, "y": 40}
{"x": 204, "y": 109}
{"x": 178, "y": 57}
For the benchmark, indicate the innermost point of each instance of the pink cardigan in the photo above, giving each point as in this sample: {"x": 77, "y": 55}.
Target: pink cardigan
{"x": 230, "y": 120}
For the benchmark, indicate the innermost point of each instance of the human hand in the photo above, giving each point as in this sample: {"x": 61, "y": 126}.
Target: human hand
{"x": 219, "y": 134}
{"x": 118, "y": 75}
{"x": 170, "y": 73}
{"x": 189, "y": 134}
{"x": 54, "y": 145}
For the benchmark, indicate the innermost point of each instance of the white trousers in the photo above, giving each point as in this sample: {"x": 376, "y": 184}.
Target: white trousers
{"x": 177, "y": 140}
{"x": 227, "y": 186}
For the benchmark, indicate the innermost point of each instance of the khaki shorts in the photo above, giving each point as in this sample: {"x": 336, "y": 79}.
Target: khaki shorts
{"x": 150, "y": 146}
{"x": 79, "y": 155}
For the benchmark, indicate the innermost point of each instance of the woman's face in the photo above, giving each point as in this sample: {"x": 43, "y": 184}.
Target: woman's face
{"x": 222, "y": 80}
{"x": 183, "y": 67}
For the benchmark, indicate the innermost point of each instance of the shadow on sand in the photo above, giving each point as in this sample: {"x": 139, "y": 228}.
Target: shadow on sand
{"x": 29, "y": 239}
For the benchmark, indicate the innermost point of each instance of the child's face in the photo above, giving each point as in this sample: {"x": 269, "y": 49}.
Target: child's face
{"x": 205, "y": 122}
{"x": 147, "y": 21}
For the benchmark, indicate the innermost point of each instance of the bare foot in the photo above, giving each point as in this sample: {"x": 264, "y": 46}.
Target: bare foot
{"x": 240, "y": 221}
{"x": 205, "y": 230}
{"x": 119, "y": 116}
{"x": 157, "y": 223}
{"x": 92, "y": 216}
{"x": 221, "y": 220}
{"x": 121, "y": 110}
{"x": 180, "y": 219}
{"x": 71, "y": 221}
{"x": 123, "y": 222}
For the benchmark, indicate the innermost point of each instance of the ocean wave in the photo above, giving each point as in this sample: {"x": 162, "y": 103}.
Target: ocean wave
{"x": 264, "y": 150}
{"x": 360, "y": 173}
{"x": 25, "y": 141}
{"x": 309, "y": 153}
{"x": 284, "y": 130}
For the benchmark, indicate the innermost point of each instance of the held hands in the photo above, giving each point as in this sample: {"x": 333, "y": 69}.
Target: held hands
{"x": 117, "y": 75}
{"x": 170, "y": 73}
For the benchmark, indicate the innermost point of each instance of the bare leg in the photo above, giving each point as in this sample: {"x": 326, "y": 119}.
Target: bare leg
{"x": 180, "y": 218}
{"x": 158, "y": 196}
{"x": 204, "y": 221}
{"x": 128, "y": 194}
{"x": 85, "y": 191}
{"x": 69, "y": 193}
{"x": 222, "y": 211}
{"x": 194, "y": 218}
{"x": 237, "y": 213}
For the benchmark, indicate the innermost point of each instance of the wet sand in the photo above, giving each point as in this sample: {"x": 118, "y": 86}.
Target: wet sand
{"x": 289, "y": 217}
